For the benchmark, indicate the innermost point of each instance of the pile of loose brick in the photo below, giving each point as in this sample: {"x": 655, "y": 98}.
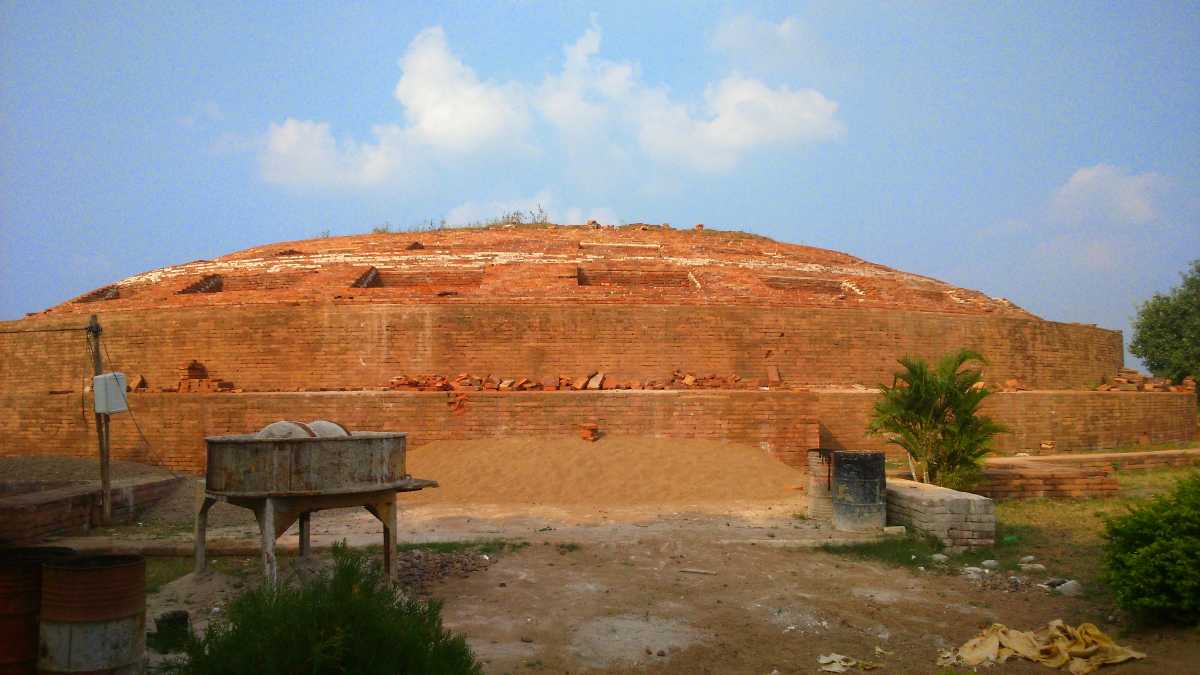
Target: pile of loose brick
{"x": 194, "y": 379}
{"x": 1128, "y": 379}
{"x": 593, "y": 380}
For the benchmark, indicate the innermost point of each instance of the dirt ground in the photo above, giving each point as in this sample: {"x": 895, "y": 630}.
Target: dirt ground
{"x": 736, "y": 588}
{"x": 690, "y": 584}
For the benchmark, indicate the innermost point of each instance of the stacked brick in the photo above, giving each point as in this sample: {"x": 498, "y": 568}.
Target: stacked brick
{"x": 593, "y": 380}
{"x": 194, "y": 379}
{"x": 1128, "y": 379}
{"x": 1017, "y": 479}
{"x": 960, "y": 520}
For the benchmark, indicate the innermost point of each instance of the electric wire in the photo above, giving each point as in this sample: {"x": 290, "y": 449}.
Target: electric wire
{"x": 124, "y": 397}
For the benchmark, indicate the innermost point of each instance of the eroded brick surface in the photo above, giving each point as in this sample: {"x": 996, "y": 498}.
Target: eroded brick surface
{"x": 751, "y": 340}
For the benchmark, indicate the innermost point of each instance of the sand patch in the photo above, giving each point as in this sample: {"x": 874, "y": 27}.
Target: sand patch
{"x": 616, "y": 470}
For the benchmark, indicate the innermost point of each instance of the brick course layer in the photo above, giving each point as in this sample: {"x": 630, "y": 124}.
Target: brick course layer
{"x": 779, "y": 421}
{"x": 285, "y": 347}
{"x": 1073, "y": 420}
{"x": 1091, "y": 475}
{"x": 961, "y": 520}
{"x": 176, "y": 424}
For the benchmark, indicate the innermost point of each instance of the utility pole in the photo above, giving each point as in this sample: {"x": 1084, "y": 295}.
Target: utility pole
{"x": 94, "y": 330}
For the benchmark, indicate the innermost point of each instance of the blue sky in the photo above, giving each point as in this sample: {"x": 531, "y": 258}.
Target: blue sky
{"x": 1043, "y": 152}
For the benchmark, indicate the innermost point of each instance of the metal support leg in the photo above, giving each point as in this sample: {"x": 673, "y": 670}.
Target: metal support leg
{"x": 385, "y": 511}
{"x": 201, "y": 534}
{"x": 266, "y": 523}
{"x": 305, "y": 535}
{"x": 389, "y": 540}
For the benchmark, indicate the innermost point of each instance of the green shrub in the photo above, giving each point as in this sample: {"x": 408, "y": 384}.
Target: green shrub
{"x": 933, "y": 414}
{"x": 346, "y": 621}
{"x": 1152, "y": 556}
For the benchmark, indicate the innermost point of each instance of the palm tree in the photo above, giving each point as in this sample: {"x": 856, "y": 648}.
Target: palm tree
{"x": 933, "y": 415}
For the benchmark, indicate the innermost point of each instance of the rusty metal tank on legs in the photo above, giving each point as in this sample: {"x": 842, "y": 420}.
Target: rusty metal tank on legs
{"x": 93, "y": 615}
{"x": 289, "y": 469}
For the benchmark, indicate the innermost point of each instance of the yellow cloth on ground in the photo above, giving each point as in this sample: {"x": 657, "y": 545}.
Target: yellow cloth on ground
{"x": 1082, "y": 650}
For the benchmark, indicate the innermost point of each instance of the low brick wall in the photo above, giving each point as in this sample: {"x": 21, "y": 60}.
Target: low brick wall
{"x": 32, "y": 516}
{"x": 1117, "y": 461}
{"x": 1072, "y": 420}
{"x": 1029, "y": 480}
{"x": 961, "y": 520}
{"x": 1066, "y": 476}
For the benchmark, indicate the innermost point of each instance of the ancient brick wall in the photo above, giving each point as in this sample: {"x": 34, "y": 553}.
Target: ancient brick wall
{"x": 1073, "y": 420}
{"x": 176, "y": 424}
{"x": 285, "y": 347}
{"x": 783, "y": 422}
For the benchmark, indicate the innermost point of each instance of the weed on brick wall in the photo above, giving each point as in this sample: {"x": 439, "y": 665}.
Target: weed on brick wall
{"x": 345, "y": 621}
{"x": 1152, "y": 556}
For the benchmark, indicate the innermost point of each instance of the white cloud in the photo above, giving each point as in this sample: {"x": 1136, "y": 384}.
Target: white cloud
{"x": 740, "y": 114}
{"x": 788, "y": 47}
{"x": 450, "y": 113}
{"x": 447, "y": 105}
{"x": 606, "y": 118}
{"x": 1107, "y": 195}
{"x": 301, "y": 153}
{"x": 764, "y": 42}
{"x": 594, "y": 98}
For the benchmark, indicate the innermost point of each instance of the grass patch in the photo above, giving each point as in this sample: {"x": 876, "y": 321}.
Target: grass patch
{"x": 568, "y": 547}
{"x": 1067, "y": 535}
{"x": 908, "y": 551}
{"x": 162, "y": 571}
{"x": 480, "y": 546}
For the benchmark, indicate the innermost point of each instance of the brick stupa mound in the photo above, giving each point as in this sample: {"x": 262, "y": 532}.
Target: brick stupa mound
{"x": 532, "y": 332}
{"x": 636, "y": 263}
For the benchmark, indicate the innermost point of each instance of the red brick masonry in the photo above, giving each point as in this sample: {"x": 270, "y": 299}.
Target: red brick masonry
{"x": 1090, "y": 475}
{"x": 776, "y": 421}
{"x": 74, "y": 509}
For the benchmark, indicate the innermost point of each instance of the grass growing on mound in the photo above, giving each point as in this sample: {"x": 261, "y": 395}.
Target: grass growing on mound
{"x": 348, "y": 620}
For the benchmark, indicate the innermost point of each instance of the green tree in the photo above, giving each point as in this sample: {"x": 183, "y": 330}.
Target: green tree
{"x": 1166, "y": 335}
{"x": 932, "y": 413}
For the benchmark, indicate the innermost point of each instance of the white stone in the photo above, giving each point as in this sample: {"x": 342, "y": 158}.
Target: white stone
{"x": 990, "y": 564}
{"x": 1033, "y": 567}
{"x": 1025, "y": 560}
{"x": 1071, "y": 588}
{"x": 939, "y": 558}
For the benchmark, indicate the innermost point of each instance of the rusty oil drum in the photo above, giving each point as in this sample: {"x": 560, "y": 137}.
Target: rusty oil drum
{"x": 20, "y": 598}
{"x": 859, "y": 491}
{"x": 820, "y": 475}
{"x": 93, "y": 615}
